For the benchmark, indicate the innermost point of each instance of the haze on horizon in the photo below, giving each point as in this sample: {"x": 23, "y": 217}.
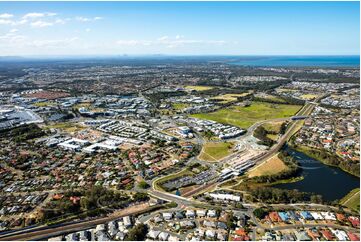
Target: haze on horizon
{"x": 179, "y": 28}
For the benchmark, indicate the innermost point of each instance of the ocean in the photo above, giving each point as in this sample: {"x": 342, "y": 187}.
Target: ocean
{"x": 298, "y": 61}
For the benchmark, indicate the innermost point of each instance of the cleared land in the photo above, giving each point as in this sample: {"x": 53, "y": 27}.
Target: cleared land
{"x": 198, "y": 88}
{"x": 230, "y": 97}
{"x": 352, "y": 200}
{"x": 272, "y": 166}
{"x": 246, "y": 116}
{"x": 215, "y": 151}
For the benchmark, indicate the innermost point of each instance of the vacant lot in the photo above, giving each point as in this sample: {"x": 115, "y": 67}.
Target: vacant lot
{"x": 246, "y": 116}
{"x": 272, "y": 166}
{"x": 230, "y": 97}
{"x": 214, "y": 151}
{"x": 198, "y": 88}
{"x": 352, "y": 200}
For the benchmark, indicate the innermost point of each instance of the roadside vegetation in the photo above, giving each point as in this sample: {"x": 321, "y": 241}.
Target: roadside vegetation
{"x": 352, "y": 200}
{"x": 91, "y": 202}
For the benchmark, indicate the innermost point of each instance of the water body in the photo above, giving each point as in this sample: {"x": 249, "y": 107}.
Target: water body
{"x": 330, "y": 182}
{"x": 299, "y": 61}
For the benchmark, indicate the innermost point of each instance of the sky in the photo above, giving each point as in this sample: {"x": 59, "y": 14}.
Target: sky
{"x": 179, "y": 28}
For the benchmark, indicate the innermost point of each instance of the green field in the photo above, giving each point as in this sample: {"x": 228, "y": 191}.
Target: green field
{"x": 198, "y": 88}
{"x": 229, "y": 97}
{"x": 352, "y": 199}
{"x": 180, "y": 106}
{"x": 216, "y": 151}
{"x": 246, "y": 116}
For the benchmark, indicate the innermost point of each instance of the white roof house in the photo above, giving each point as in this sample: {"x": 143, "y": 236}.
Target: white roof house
{"x": 328, "y": 215}
{"x": 163, "y": 236}
{"x": 201, "y": 213}
{"x": 212, "y": 213}
{"x": 210, "y": 234}
{"x": 340, "y": 234}
{"x": 316, "y": 215}
{"x": 153, "y": 234}
{"x": 167, "y": 216}
{"x": 190, "y": 213}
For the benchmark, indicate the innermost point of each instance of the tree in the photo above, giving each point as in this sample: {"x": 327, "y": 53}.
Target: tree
{"x": 259, "y": 213}
{"x": 138, "y": 233}
{"x": 140, "y": 196}
{"x": 143, "y": 185}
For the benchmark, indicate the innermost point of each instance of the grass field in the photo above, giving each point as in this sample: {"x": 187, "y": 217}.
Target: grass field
{"x": 246, "y": 116}
{"x": 230, "y": 97}
{"x": 66, "y": 126}
{"x": 215, "y": 151}
{"x": 198, "y": 88}
{"x": 44, "y": 104}
{"x": 272, "y": 166}
{"x": 272, "y": 98}
{"x": 352, "y": 199}
{"x": 180, "y": 106}
{"x": 273, "y": 126}
{"x": 309, "y": 96}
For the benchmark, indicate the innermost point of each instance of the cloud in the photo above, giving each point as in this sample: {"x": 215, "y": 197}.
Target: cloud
{"x": 41, "y": 24}
{"x": 13, "y": 30}
{"x": 6, "y": 22}
{"x": 57, "y": 43}
{"x": 38, "y": 15}
{"x": 168, "y": 42}
{"x": 87, "y": 30}
{"x": 85, "y": 19}
{"x": 6, "y": 16}
{"x": 12, "y": 38}
{"x": 163, "y": 38}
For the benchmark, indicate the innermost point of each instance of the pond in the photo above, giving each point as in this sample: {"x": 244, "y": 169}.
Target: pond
{"x": 330, "y": 182}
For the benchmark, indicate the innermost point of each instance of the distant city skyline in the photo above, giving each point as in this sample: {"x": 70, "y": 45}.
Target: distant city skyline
{"x": 179, "y": 28}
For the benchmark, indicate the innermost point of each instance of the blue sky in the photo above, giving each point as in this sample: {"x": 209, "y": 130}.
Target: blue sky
{"x": 181, "y": 28}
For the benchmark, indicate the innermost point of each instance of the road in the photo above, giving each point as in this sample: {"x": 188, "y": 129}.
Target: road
{"x": 41, "y": 232}
{"x": 50, "y": 231}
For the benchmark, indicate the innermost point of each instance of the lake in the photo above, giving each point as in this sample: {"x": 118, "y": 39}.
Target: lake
{"x": 299, "y": 61}
{"x": 330, "y": 182}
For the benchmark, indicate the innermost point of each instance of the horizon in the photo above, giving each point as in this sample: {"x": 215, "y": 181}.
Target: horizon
{"x": 179, "y": 28}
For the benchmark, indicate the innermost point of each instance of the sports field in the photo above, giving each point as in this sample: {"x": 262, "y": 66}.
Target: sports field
{"x": 244, "y": 117}
{"x": 214, "y": 151}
